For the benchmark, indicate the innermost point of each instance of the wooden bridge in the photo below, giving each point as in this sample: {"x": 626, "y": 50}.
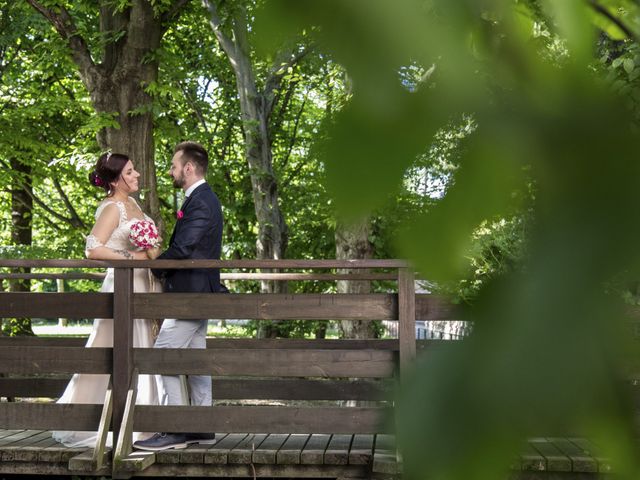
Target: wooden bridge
{"x": 287, "y": 408}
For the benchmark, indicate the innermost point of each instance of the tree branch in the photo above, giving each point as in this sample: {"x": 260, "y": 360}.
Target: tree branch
{"x": 66, "y": 89}
{"x": 50, "y": 210}
{"x": 292, "y": 141}
{"x": 112, "y": 24}
{"x": 225, "y": 42}
{"x": 46, "y": 218}
{"x": 277, "y": 122}
{"x": 294, "y": 134}
{"x": 174, "y": 11}
{"x": 64, "y": 25}
{"x": 222, "y": 153}
{"x": 42, "y": 204}
{"x": 75, "y": 219}
{"x": 279, "y": 69}
{"x": 615, "y": 20}
{"x": 196, "y": 108}
{"x": 6, "y": 60}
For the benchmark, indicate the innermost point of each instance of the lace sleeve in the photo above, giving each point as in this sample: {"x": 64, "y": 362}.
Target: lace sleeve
{"x": 121, "y": 208}
{"x": 92, "y": 242}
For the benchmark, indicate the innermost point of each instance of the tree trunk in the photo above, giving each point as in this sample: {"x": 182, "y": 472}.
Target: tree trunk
{"x": 352, "y": 242}
{"x": 21, "y": 234}
{"x": 119, "y": 88}
{"x": 272, "y": 229}
{"x": 271, "y": 242}
{"x": 1, "y": 319}
{"x": 256, "y": 108}
{"x": 134, "y": 137}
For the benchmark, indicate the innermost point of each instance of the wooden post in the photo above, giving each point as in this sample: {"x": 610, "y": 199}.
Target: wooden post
{"x": 62, "y": 322}
{"x": 122, "y": 343}
{"x": 406, "y": 318}
{"x": 1, "y": 319}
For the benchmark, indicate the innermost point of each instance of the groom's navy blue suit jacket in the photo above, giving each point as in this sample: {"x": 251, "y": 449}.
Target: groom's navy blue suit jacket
{"x": 197, "y": 235}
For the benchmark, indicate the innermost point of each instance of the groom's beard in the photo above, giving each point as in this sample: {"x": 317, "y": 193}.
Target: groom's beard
{"x": 178, "y": 181}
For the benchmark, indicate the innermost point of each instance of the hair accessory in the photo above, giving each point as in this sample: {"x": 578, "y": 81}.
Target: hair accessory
{"x": 97, "y": 181}
{"x": 109, "y": 153}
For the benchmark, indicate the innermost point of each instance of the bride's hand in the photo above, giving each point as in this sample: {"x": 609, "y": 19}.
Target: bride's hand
{"x": 139, "y": 255}
{"x": 153, "y": 253}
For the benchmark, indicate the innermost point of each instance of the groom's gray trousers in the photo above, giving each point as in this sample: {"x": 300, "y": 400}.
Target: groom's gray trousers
{"x": 184, "y": 334}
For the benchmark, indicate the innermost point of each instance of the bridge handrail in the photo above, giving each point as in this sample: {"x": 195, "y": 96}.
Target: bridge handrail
{"x": 222, "y": 264}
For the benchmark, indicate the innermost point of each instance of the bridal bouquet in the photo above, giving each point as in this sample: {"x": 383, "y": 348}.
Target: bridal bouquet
{"x": 144, "y": 235}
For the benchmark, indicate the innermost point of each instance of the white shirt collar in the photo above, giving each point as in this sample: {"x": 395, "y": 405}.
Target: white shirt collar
{"x": 193, "y": 187}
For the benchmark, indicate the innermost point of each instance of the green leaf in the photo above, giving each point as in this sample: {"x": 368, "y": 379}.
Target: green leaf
{"x": 629, "y": 65}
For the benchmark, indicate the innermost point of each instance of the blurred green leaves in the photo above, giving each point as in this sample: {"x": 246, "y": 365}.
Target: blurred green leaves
{"x": 618, "y": 18}
{"x": 544, "y": 358}
{"x": 363, "y": 169}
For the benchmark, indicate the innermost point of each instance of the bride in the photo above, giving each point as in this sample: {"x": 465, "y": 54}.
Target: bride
{"x": 109, "y": 240}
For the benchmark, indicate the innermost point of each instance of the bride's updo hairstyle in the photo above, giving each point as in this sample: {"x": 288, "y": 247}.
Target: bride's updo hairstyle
{"x": 107, "y": 171}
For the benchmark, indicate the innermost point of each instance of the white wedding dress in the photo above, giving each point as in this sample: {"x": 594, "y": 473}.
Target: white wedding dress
{"x": 91, "y": 388}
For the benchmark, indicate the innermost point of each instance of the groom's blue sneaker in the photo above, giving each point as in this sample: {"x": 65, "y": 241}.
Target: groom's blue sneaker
{"x": 204, "y": 438}
{"x": 162, "y": 441}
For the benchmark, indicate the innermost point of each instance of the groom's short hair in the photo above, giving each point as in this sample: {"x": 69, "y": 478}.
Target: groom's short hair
{"x": 195, "y": 153}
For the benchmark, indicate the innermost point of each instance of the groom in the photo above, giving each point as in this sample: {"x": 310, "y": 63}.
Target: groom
{"x": 197, "y": 235}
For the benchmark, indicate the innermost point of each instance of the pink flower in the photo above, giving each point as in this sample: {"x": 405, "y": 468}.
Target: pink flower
{"x": 179, "y": 214}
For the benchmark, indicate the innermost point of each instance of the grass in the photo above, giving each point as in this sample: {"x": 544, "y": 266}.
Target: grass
{"x": 82, "y": 328}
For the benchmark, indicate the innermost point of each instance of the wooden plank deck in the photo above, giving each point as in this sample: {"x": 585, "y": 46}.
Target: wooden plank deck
{"x": 287, "y": 456}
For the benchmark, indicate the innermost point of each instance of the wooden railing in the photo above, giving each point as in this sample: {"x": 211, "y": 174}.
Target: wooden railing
{"x": 283, "y": 369}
